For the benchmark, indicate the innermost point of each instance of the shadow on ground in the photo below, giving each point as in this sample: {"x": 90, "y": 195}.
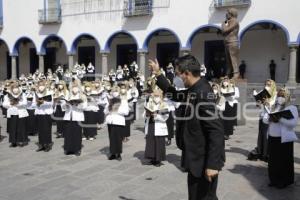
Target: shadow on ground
{"x": 258, "y": 179}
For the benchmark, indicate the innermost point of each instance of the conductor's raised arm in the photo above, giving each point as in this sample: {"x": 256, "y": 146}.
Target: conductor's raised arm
{"x": 163, "y": 83}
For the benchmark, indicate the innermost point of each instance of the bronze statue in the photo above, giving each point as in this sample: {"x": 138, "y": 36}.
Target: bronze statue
{"x": 230, "y": 30}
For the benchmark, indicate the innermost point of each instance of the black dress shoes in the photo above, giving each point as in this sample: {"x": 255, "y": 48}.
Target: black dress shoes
{"x": 41, "y": 148}
{"x": 48, "y": 148}
{"x": 118, "y": 157}
{"x": 13, "y": 145}
{"x": 78, "y": 153}
{"x": 112, "y": 157}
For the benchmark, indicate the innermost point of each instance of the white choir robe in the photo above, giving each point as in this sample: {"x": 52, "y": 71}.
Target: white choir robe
{"x": 102, "y": 100}
{"x": 233, "y": 99}
{"x": 46, "y": 108}
{"x": 74, "y": 113}
{"x": 285, "y": 127}
{"x": 134, "y": 93}
{"x": 160, "y": 127}
{"x": 19, "y": 109}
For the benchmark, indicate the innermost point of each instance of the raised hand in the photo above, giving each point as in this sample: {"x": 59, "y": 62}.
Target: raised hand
{"x": 154, "y": 66}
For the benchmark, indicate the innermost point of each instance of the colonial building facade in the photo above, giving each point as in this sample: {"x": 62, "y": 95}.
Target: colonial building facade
{"x": 41, "y": 34}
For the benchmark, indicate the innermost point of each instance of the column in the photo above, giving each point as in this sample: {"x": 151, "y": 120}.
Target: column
{"x": 293, "y": 65}
{"x": 104, "y": 56}
{"x": 41, "y": 64}
{"x": 71, "y": 61}
{"x": 142, "y": 61}
{"x": 13, "y": 67}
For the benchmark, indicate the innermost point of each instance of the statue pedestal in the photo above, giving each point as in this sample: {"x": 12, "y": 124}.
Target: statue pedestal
{"x": 242, "y": 84}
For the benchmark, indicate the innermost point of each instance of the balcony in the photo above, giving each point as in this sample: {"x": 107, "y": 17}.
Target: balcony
{"x": 231, "y": 3}
{"x": 134, "y": 8}
{"x": 50, "y": 16}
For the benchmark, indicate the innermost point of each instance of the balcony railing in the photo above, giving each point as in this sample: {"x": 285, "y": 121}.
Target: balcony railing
{"x": 137, "y": 8}
{"x": 50, "y": 16}
{"x": 231, "y": 3}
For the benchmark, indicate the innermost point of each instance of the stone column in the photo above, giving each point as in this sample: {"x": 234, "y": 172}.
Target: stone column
{"x": 13, "y": 67}
{"x": 293, "y": 64}
{"x": 104, "y": 56}
{"x": 41, "y": 64}
{"x": 142, "y": 61}
{"x": 71, "y": 61}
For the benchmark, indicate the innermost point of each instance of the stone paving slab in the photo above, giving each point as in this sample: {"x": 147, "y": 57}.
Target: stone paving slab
{"x": 28, "y": 175}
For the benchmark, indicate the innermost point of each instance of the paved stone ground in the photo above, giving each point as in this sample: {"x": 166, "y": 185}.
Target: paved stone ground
{"x": 28, "y": 175}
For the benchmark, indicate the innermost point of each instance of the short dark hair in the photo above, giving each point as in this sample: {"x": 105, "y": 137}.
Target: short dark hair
{"x": 188, "y": 63}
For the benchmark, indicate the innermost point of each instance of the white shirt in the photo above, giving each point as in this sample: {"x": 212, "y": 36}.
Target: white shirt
{"x": 134, "y": 93}
{"x": 73, "y": 112}
{"x": 284, "y": 128}
{"x": 92, "y": 104}
{"x": 118, "y": 118}
{"x": 18, "y": 109}
{"x": 46, "y": 108}
{"x": 233, "y": 99}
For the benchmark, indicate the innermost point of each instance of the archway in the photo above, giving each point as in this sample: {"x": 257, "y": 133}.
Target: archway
{"x": 86, "y": 48}
{"x": 206, "y": 44}
{"x": 123, "y": 49}
{"x": 260, "y": 43}
{"x": 54, "y": 50}
{"x": 27, "y": 58}
{"x": 163, "y": 44}
{"x": 5, "y": 61}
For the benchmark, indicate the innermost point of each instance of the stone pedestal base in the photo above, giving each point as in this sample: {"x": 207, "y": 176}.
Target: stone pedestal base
{"x": 242, "y": 84}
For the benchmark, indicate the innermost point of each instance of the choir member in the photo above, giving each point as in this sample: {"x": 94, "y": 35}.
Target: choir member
{"x": 60, "y": 72}
{"x": 281, "y": 135}
{"x": 102, "y": 101}
{"x": 90, "y": 72}
{"x": 60, "y": 94}
{"x": 90, "y": 113}
{"x": 112, "y": 76}
{"x": 170, "y": 121}
{"x": 67, "y": 77}
{"x": 81, "y": 70}
{"x": 119, "y": 73}
{"x": 15, "y": 102}
{"x": 220, "y": 99}
{"x": 43, "y": 112}
{"x": 134, "y": 93}
{"x": 170, "y": 74}
{"x": 156, "y": 112}
{"x": 126, "y": 101}
{"x": 140, "y": 80}
{"x": 74, "y": 116}
{"x": 261, "y": 150}
{"x": 5, "y": 91}
{"x": 229, "y": 115}
{"x": 22, "y": 78}
{"x": 133, "y": 68}
{"x": 31, "y": 122}
{"x": 115, "y": 121}
{"x": 126, "y": 74}
{"x": 2, "y": 86}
